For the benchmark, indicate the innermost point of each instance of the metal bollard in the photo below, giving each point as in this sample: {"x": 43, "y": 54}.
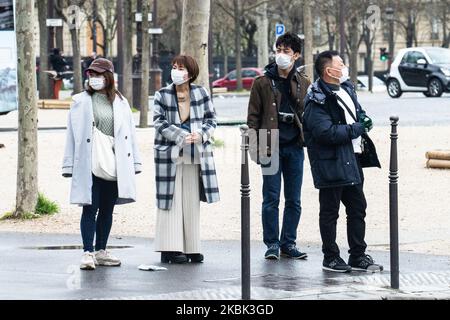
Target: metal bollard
{"x": 393, "y": 205}
{"x": 245, "y": 215}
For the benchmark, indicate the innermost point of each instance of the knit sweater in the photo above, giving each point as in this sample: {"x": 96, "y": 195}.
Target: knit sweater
{"x": 103, "y": 113}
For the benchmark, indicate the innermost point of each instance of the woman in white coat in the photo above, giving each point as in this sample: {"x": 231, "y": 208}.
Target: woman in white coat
{"x": 102, "y": 157}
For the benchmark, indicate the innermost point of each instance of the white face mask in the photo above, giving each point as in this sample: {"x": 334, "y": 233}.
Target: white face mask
{"x": 97, "y": 83}
{"x": 345, "y": 74}
{"x": 178, "y": 76}
{"x": 284, "y": 61}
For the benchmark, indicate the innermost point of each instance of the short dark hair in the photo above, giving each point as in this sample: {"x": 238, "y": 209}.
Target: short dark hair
{"x": 322, "y": 59}
{"x": 190, "y": 64}
{"x": 290, "y": 40}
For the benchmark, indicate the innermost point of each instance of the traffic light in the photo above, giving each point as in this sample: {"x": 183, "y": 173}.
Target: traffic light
{"x": 384, "y": 55}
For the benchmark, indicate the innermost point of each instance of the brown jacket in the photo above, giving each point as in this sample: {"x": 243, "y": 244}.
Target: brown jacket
{"x": 263, "y": 109}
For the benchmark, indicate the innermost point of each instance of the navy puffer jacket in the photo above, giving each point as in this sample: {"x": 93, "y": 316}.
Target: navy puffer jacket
{"x": 328, "y": 137}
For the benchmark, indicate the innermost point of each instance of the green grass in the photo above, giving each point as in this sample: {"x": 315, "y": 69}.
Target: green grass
{"x": 25, "y": 216}
{"x": 44, "y": 207}
{"x": 134, "y": 110}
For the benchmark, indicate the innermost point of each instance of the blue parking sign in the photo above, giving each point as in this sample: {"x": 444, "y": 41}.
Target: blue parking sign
{"x": 279, "y": 29}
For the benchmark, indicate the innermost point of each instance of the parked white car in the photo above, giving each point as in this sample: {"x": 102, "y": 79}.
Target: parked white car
{"x": 420, "y": 69}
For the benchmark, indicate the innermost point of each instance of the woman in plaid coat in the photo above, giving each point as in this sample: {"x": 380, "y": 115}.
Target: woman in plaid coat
{"x": 184, "y": 120}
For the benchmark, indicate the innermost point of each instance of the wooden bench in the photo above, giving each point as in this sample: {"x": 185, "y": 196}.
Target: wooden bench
{"x": 220, "y": 90}
{"x": 54, "y": 104}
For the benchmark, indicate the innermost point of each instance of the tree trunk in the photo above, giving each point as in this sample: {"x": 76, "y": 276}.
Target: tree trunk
{"x": 308, "y": 43}
{"x": 225, "y": 64}
{"x": 127, "y": 60}
{"x": 44, "y": 81}
{"x": 194, "y": 35}
{"x": 210, "y": 53}
{"x": 77, "y": 79}
{"x": 263, "y": 36}
{"x": 354, "y": 48}
{"x": 59, "y": 32}
{"x": 445, "y": 35}
{"x": 143, "y": 120}
{"x": 27, "y": 166}
{"x": 368, "y": 61}
{"x": 237, "y": 44}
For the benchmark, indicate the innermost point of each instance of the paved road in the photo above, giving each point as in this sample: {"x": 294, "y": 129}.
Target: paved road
{"x": 29, "y": 270}
{"x": 414, "y": 109}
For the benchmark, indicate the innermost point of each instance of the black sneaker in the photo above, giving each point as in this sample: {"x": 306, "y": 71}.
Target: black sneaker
{"x": 336, "y": 265}
{"x": 292, "y": 252}
{"x": 364, "y": 263}
{"x": 195, "y": 258}
{"x": 273, "y": 252}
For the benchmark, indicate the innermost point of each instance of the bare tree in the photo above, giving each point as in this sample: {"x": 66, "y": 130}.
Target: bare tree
{"x": 194, "y": 35}
{"x": 44, "y": 83}
{"x": 409, "y": 16}
{"x": 236, "y": 11}
{"x": 72, "y": 17}
{"x": 27, "y": 166}
{"x": 221, "y": 25}
{"x": 127, "y": 54}
{"x": 327, "y": 9}
{"x": 143, "y": 120}
{"x": 308, "y": 43}
{"x": 441, "y": 12}
{"x": 262, "y": 36}
{"x": 237, "y": 43}
{"x": 354, "y": 24}
{"x": 107, "y": 19}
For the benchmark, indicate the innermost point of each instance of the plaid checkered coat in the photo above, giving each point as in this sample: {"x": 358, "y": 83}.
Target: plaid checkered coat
{"x": 169, "y": 139}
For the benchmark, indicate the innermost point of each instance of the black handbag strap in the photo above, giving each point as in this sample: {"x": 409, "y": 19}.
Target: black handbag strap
{"x": 346, "y": 107}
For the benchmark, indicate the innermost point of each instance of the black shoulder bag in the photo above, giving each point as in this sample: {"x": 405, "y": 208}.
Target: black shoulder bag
{"x": 369, "y": 157}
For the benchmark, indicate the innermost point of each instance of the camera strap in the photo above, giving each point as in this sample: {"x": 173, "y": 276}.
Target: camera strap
{"x": 275, "y": 94}
{"x": 347, "y": 107}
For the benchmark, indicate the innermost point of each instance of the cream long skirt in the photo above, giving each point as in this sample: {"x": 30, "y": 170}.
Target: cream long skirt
{"x": 178, "y": 229}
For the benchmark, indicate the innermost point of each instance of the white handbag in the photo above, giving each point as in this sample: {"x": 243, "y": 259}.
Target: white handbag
{"x": 103, "y": 156}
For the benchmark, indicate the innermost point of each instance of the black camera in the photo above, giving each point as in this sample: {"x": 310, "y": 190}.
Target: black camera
{"x": 286, "y": 117}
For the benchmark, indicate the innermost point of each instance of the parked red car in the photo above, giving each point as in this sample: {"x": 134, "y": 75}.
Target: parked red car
{"x": 229, "y": 81}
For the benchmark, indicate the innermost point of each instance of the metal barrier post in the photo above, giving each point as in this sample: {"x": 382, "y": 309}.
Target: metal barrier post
{"x": 245, "y": 215}
{"x": 393, "y": 205}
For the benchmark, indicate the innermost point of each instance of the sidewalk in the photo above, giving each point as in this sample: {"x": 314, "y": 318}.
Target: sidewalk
{"x": 30, "y": 271}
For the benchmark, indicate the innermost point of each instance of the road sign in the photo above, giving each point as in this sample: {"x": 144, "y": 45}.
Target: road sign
{"x": 138, "y": 17}
{"x": 279, "y": 29}
{"x": 155, "y": 31}
{"x": 54, "y": 22}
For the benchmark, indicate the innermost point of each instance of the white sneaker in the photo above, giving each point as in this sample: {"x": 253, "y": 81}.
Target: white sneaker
{"x": 105, "y": 258}
{"x": 88, "y": 261}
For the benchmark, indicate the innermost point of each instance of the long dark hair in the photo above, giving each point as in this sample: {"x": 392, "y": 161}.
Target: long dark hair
{"x": 110, "y": 88}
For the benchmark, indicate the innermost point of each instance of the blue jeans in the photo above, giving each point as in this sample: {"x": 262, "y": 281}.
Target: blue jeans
{"x": 291, "y": 160}
{"x": 104, "y": 197}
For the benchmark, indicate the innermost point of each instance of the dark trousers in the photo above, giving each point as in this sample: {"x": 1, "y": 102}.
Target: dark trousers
{"x": 355, "y": 204}
{"x": 104, "y": 197}
{"x": 291, "y": 160}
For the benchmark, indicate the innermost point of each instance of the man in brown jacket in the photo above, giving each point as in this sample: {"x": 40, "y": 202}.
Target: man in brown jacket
{"x": 276, "y": 142}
